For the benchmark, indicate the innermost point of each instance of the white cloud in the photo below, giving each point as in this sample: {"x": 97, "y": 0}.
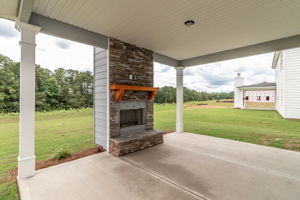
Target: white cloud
{"x": 164, "y": 75}
{"x": 49, "y": 54}
{"x": 7, "y": 29}
{"x": 218, "y": 77}
{"x": 53, "y": 52}
{"x": 64, "y": 44}
{"x": 69, "y": 55}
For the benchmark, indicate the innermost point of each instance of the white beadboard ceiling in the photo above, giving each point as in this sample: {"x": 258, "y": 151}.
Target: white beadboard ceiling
{"x": 8, "y": 9}
{"x": 158, "y": 24}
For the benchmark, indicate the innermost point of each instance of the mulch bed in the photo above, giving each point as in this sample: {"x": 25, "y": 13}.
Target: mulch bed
{"x": 40, "y": 164}
{"x": 168, "y": 131}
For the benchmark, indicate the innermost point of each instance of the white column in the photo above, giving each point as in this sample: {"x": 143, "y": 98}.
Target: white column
{"x": 26, "y": 159}
{"x": 238, "y": 81}
{"x": 179, "y": 99}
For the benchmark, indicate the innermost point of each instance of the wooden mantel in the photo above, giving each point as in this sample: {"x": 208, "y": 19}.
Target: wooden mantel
{"x": 119, "y": 90}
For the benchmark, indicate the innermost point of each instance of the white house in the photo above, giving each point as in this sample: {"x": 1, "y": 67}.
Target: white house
{"x": 287, "y": 66}
{"x": 262, "y": 96}
{"x": 285, "y": 92}
{"x": 260, "y": 93}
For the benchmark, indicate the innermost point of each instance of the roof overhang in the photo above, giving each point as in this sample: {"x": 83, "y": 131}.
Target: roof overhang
{"x": 265, "y": 47}
{"x": 25, "y": 10}
{"x": 275, "y": 59}
{"x": 241, "y": 28}
{"x": 257, "y": 88}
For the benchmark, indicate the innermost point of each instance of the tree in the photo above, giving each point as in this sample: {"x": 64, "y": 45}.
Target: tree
{"x": 9, "y": 85}
{"x": 61, "y": 89}
{"x": 167, "y": 94}
{"x": 68, "y": 89}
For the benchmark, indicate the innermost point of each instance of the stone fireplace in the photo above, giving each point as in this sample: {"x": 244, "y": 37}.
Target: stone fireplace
{"x": 132, "y": 117}
{"x": 131, "y": 99}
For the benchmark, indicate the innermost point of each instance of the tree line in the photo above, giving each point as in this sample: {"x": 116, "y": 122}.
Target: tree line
{"x": 167, "y": 94}
{"x": 61, "y": 89}
{"x": 71, "y": 89}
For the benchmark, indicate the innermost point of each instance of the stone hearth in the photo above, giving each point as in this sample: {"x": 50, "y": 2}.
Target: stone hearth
{"x": 133, "y": 142}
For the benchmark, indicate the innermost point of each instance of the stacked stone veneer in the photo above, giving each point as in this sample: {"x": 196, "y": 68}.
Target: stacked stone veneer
{"x": 119, "y": 146}
{"x": 125, "y": 59}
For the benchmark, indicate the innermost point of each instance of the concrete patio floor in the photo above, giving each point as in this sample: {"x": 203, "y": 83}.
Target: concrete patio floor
{"x": 187, "y": 166}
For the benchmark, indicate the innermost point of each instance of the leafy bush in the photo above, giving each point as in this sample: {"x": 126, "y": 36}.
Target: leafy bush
{"x": 62, "y": 153}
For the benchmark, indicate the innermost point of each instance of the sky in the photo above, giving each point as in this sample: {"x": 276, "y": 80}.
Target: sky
{"x": 53, "y": 52}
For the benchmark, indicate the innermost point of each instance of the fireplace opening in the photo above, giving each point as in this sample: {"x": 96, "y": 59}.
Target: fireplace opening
{"x": 132, "y": 117}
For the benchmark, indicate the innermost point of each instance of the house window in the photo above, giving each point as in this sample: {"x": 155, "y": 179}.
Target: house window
{"x": 258, "y": 98}
{"x": 267, "y": 98}
{"x": 247, "y": 98}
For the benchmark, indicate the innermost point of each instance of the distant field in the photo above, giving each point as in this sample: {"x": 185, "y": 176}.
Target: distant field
{"x": 73, "y": 130}
{"x": 213, "y": 103}
{"x": 253, "y": 105}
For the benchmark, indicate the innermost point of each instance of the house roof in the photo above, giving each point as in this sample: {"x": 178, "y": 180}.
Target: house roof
{"x": 222, "y": 30}
{"x": 261, "y": 85}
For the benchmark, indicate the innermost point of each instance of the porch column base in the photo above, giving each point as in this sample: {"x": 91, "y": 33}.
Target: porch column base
{"x": 179, "y": 128}
{"x": 26, "y": 167}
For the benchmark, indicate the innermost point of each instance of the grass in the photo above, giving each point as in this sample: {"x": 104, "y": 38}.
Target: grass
{"x": 62, "y": 153}
{"x": 263, "y": 127}
{"x": 72, "y": 131}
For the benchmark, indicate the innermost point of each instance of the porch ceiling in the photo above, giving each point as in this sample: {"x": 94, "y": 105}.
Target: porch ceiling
{"x": 159, "y": 25}
{"x": 8, "y": 9}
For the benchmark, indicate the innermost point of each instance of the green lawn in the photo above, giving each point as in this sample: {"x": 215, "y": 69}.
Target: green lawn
{"x": 73, "y": 130}
{"x": 254, "y": 126}
{"x": 69, "y": 129}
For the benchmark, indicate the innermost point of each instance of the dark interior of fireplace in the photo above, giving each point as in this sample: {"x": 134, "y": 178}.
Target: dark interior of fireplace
{"x": 131, "y": 117}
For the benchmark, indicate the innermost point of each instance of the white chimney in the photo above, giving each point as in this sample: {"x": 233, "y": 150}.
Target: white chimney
{"x": 238, "y": 94}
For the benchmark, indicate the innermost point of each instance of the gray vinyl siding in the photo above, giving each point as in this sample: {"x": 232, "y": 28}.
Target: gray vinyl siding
{"x": 100, "y": 97}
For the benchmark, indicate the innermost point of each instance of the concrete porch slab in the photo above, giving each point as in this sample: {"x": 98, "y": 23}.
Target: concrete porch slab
{"x": 101, "y": 176}
{"x": 186, "y": 166}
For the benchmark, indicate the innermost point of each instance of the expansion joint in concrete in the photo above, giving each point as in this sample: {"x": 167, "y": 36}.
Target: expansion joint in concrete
{"x": 195, "y": 194}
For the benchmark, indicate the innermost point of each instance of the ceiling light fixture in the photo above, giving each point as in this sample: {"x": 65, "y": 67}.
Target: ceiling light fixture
{"x": 189, "y": 22}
